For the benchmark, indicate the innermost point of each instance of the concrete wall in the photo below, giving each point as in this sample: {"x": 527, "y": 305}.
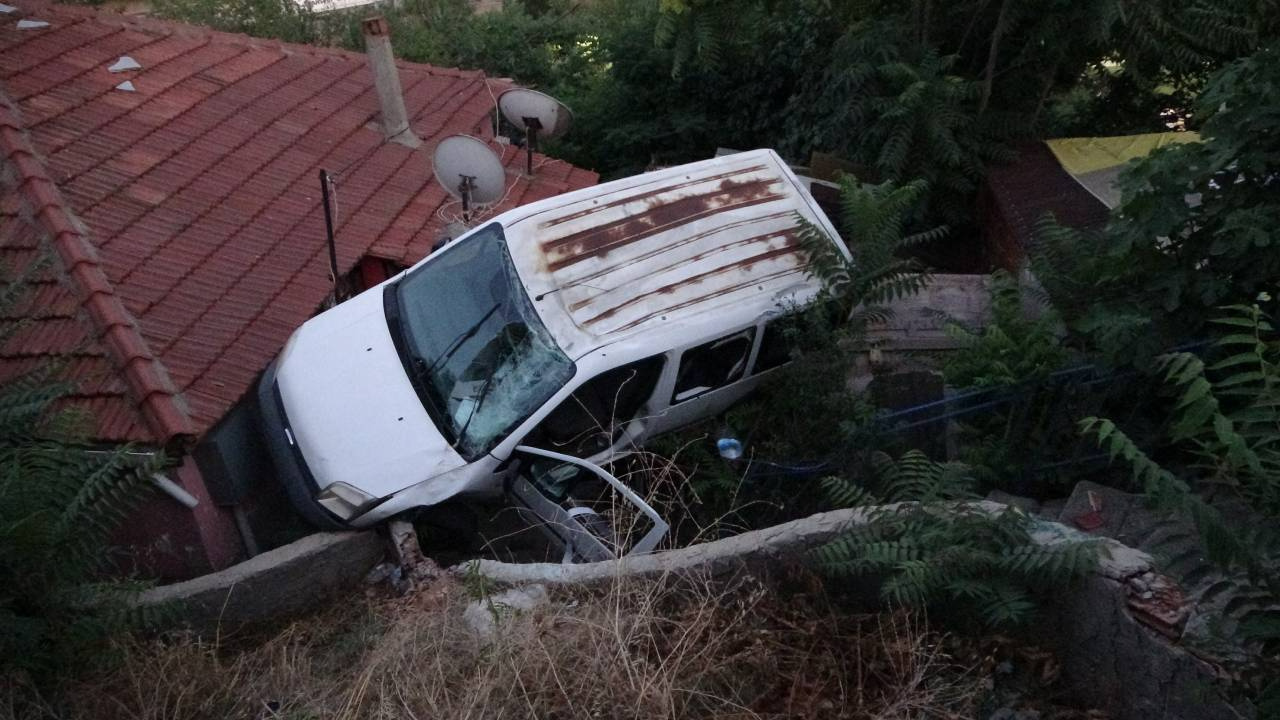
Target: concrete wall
{"x": 165, "y": 540}
{"x": 919, "y": 321}
{"x": 286, "y": 580}
{"x": 1109, "y": 659}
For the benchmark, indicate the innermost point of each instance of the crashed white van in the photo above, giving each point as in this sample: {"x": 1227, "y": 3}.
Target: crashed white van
{"x": 543, "y": 342}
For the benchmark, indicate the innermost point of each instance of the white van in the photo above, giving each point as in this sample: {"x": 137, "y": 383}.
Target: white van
{"x": 542, "y": 343}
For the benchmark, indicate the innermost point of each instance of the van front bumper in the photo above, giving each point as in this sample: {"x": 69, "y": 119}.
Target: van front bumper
{"x": 291, "y": 468}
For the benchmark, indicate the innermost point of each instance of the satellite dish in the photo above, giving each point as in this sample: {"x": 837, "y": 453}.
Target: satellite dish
{"x": 537, "y": 114}
{"x": 469, "y": 171}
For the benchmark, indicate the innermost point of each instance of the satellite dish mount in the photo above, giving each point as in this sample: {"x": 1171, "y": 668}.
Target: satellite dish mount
{"x": 466, "y": 186}
{"x": 539, "y": 115}
{"x": 468, "y": 170}
{"x": 531, "y": 127}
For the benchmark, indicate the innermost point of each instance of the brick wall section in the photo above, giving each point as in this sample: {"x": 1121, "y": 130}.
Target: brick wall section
{"x": 1018, "y": 195}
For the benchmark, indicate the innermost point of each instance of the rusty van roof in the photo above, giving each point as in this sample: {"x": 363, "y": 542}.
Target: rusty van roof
{"x": 663, "y": 246}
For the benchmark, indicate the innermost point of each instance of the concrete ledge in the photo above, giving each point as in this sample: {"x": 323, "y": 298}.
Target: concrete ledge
{"x": 789, "y": 539}
{"x": 285, "y": 580}
{"x": 1109, "y": 659}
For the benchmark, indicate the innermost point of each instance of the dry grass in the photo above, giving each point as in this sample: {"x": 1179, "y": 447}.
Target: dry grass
{"x": 675, "y": 649}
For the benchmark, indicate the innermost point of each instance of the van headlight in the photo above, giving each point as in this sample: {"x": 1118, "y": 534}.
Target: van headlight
{"x": 346, "y": 501}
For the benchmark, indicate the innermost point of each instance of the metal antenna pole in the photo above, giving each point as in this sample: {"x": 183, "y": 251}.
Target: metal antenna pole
{"x": 328, "y": 227}
{"x": 465, "y": 188}
{"x": 530, "y": 137}
{"x": 531, "y": 127}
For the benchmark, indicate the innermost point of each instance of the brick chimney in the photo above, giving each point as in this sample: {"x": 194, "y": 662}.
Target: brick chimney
{"x": 394, "y": 118}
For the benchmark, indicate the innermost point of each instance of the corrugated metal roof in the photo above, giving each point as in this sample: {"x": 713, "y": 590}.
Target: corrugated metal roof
{"x": 672, "y": 243}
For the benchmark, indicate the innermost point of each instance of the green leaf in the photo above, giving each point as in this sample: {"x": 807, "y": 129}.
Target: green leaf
{"x": 1197, "y": 391}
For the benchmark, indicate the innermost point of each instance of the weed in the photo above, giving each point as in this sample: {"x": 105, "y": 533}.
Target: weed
{"x": 687, "y": 648}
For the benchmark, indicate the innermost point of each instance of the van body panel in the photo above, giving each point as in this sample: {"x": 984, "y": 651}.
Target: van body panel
{"x": 664, "y": 246}
{"x": 479, "y": 479}
{"x": 646, "y": 266}
{"x": 341, "y": 372}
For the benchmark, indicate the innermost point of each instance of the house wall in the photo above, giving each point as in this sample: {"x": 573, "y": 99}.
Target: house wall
{"x": 167, "y": 541}
{"x": 998, "y": 237}
{"x": 919, "y": 322}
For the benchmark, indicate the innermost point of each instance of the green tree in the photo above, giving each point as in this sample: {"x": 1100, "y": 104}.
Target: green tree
{"x": 1224, "y": 454}
{"x": 931, "y": 545}
{"x": 283, "y": 19}
{"x": 1198, "y": 225}
{"x": 60, "y": 499}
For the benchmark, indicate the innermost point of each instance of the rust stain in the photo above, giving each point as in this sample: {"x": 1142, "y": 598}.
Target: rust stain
{"x": 722, "y": 291}
{"x": 599, "y": 241}
{"x": 697, "y": 237}
{"x": 649, "y": 194}
{"x": 789, "y": 235}
{"x": 669, "y": 288}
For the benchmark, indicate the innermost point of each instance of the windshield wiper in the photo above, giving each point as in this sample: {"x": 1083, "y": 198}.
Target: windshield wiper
{"x": 475, "y": 408}
{"x": 426, "y": 390}
{"x": 480, "y": 396}
{"x": 463, "y": 337}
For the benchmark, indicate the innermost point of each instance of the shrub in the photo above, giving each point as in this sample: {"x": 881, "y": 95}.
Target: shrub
{"x": 60, "y": 499}
{"x": 1225, "y": 451}
{"x": 930, "y": 547}
{"x": 1011, "y": 349}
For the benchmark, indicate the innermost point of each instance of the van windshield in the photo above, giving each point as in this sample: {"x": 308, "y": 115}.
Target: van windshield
{"x": 478, "y": 352}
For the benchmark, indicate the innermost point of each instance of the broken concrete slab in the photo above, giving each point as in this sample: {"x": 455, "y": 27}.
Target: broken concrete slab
{"x": 1191, "y": 600}
{"x": 788, "y": 540}
{"x": 1105, "y": 511}
{"x": 484, "y": 615}
{"x": 1111, "y": 660}
{"x": 1031, "y": 506}
{"x": 285, "y": 580}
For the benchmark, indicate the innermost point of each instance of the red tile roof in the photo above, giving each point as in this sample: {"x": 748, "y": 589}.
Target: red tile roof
{"x": 184, "y": 218}
{"x": 1033, "y": 186}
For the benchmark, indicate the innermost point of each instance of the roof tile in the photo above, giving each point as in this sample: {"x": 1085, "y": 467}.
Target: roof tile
{"x": 200, "y": 193}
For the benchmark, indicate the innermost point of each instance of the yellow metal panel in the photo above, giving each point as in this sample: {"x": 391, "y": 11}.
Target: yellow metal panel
{"x": 1089, "y": 154}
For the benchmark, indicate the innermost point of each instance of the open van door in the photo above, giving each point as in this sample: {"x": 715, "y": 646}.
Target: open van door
{"x": 582, "y": 507}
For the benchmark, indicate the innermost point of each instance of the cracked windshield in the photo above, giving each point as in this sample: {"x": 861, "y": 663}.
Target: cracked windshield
{"x": 480, "y": 352}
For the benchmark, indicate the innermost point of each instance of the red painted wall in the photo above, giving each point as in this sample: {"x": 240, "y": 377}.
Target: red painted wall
{"x": 167, "y": 541}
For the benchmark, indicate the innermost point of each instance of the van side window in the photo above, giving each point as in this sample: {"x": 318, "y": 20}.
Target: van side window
{"x": 775, "y": 346}
{"x": 585, "y": 422}
{"x": 713, "y": 365}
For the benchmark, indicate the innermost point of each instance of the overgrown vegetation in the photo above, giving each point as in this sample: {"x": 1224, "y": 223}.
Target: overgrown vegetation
{"x": 925, "y": 542}
{"x": 665, "y": 649}
{"x": 1195, "y": 230}
{"x": 60, "y": 500}
{"x": 1224, "y": 466}
{"x": 1012, "y": 347}
{"x": 902, "y": 91}
{"x": 930, "y": 545}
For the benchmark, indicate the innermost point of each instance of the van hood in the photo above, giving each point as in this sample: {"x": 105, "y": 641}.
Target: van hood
{"x": 351, "y": 409}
